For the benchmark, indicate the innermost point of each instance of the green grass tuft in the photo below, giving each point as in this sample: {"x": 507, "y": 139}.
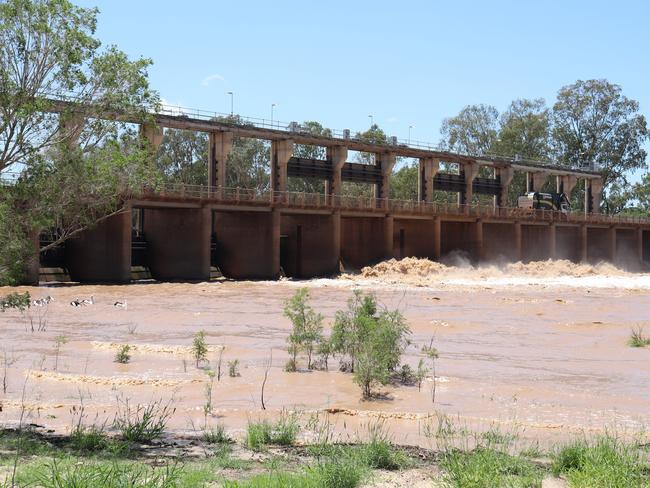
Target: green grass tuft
{"x": 488, "y": 468}
{"x": 605, "y": 462}
{"x": 216, "y": 435}
{"x": 142, "y": 423}
{"x": 638, "y": 338}
{"x": 281, "y": 433}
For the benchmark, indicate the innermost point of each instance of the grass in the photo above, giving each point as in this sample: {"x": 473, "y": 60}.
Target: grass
{"x": 638, "y": 338}
{"x": 87, "y": 459}
{"x": 60, "y": 473}
{"x": 280, "y": 433}
{"x": 488, "y": 468}
{"x": 379, "y": 452}
{"x": 216, "y": 435}
{"x": 605, "y": 462}
{"x": 333, "y": 474}
{"x": 142, "y": 423}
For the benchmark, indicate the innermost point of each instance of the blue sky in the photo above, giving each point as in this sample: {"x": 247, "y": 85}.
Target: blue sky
{"x": 406, "y": 63}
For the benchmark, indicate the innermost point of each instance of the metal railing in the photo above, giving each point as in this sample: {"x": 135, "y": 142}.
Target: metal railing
{"x": 237, "y": 120}
{"x": 247, "y": 196}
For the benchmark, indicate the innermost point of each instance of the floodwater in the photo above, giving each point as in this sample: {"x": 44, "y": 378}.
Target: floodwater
{"x": 540, "y": 349}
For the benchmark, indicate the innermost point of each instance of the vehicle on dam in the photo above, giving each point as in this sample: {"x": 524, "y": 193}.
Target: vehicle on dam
{"x": 556, "y": 202}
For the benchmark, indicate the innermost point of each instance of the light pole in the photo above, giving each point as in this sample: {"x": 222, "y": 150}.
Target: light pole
{"x": 410, "y": 127}
{"x": 372, "y": 122}
{"x": 232, "y": 102}
{"x": 272, "y": 107}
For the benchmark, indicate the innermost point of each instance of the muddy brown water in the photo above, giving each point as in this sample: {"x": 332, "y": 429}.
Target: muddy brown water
{"x": 542, "y": 360}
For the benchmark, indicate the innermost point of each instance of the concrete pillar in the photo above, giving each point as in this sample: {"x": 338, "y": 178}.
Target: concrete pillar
{"x": 552, "y": 242}
{"x": 505, "y": 178}
{"x": 480, "y": 254}
{"x": 436, "y": 237}
{"x": 219, "y": 147}
{"x": 337, "y": 156}
{"x": 565, "y": 184}
{"x": 535, "y": 181}
{"x": 596, "y": 194}
{"x": 470, "y": 170}
{"x": 385, "y": 161}
{"x": 336, "y": 234}
{"x": 70, "y": 126}
{"x": 611, "y": 236}
{"x": 178, "y": 242}
{"x": 276, "y": 223}
{"x": 428, "y": 168}
{"x": 518, "y": 250}
{"x": 583, "y": 243}
{"x": 389, "y": 229}
{"x": 152, "y": 135}
{"x": 281, "y": 152}
{"x": 639, "y": 244}
{"x": 102, "y": 253}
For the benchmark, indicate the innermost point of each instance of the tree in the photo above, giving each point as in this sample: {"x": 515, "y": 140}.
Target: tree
{"x": 47, "y": 50}
{"x": 473, "y": 131}
{"x": 374, "y": 135}
{"x": 524, "y": 130}
{"x": 307, "y": 327}
{"x": 183, "y": 157}
{"x": 596, "y": 127}
{"x": 642, "y": 193}
{"x": 373, "y": 340}
{"x": 72, "y": 169}
{"x": 310, "y": 185}
{"x": 199, "y": 348}
{"x": 347, "y": 333}
{"x": 404, "y": 183}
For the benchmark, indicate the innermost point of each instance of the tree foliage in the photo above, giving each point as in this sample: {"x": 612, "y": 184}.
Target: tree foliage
{"x": 307, "y": 328}
{"x": 70, "y": 169}
{"x": 473, "y": 131}
{"x": 183, "y": 157}
{"x": 524, "y": 130}
{"x": 596, "y": 127}
{"x": 372, "y": 339}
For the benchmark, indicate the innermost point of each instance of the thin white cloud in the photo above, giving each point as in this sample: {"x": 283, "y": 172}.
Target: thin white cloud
{"x": 209, "y": 79}
{"x": 392, "y": 120}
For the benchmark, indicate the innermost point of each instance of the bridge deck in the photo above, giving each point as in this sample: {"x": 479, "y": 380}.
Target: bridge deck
{"x": 178, "y": 194}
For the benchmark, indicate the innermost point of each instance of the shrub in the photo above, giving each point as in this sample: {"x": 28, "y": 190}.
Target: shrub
{"x": 281, "y": 433}
{"x": 17, "y": 301}
{"x": 307, "y": 326}
{"x": 123, "y": 356}
{"x": 216, "y": 435}
{"x": 142, "y": 423}
{"x": 199, "y": 348}
{"x": 638, "y": 338}
{"x": 374, "y": 340}
{"x": 406, "y": 375}
{"x": 88, "y": 439}
{"x": 290, "y": 366}
{"x": 233, "y": 368}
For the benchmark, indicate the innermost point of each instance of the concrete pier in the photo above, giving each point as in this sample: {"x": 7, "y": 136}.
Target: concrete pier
{"x": 101, "y": 254}
{"x": 178, "y": 242}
